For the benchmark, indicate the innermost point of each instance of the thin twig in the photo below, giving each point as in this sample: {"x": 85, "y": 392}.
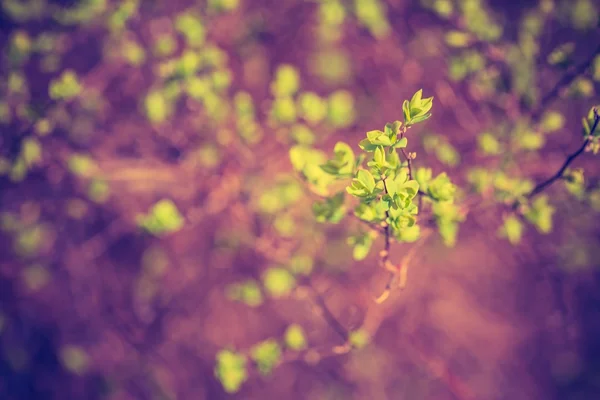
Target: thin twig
{"x": 385, "y": 253}
{"x": 331, "y": 320}
{"x": 565, "y": 81}
{"x": 409, "y": 163}
{"x": 540, "y": 187}
{"x": 401, "y": 272}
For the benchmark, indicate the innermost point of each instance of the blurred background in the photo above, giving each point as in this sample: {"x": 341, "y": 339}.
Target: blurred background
{"x": 151, "y": 218}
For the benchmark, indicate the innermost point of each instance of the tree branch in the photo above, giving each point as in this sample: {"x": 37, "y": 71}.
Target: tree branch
{"x": 331, "y": 320}
{"x": 409, "y": 162}
{"x": 400, "y": 273}
{"x": 540, "y": 187}
{"x": 385, "y": 253}
{"x": 565, "y": 81}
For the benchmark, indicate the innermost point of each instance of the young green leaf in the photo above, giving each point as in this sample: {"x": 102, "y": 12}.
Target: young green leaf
{"x": 266, "y": 355}
{"x": 231, "y": 370}
{"x": 379, "y": 157}
{"x": 278, "y": 282}
{"x": 362, "y": 245}
{"x": 295, "y": 338}
{"x": 406, "y": 111}
{"x": 512, "y": 229}
{"x": 402, "y": 143}
{"x": 343, "y": 162}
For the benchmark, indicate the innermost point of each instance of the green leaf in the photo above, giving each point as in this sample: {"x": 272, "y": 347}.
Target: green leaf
{"x": 295, "y": 338}
{"x": 394, "y": 128}
{"x": 426, "y": 105}
{"x": 379, "y": 157}
{"x": 341, "y": 111}
{"x": 307, "y": 161}
{"x": 378, "y": 137}
{"x": 330, "y": 210}
{"x": 409, "y": 234}
{"x": 406, "y": 111}
{"x": 415, "y": 101}
{"x": 278, "y": 282}
{"x": 412, "y": 188}
{"x": 552, "y": 121}
{"x": 284, "y": 110}
{"x": 372, "y": 212}
{"x": 31, "y": 151}
{"x": 343, "y": 161}
{"x": 66, "y": 87}
{"x": 561, "y": 56}
{"x": 163, "y": 218}
{"x": 312, "y": 107}
{"x": 448, "y": 231}
{"x": 231, "y": 370}
{"x": 157, "y": 107}
{"x": 301, "y": 264}
{"x": 531, "y": 141}
{"x": 489, "y": 144}
{"x": 366, "y": 179}
{"x": 374, "y": 134}
{"x": 361, "y": 245}
{"x": 458, "y": 38}
{"x": 402, "y": 143}
{"x": 441, "y": 188}
{"x": 191, "y": 27}
{"x": 367, "y": 146}
{"x": 266, "y": 355}
{"x": 512, "y": 229}
{"x": 480, "y": 178}
{"x": 419, "y": 107}
{"x": 423, "y": 176}
{"x": 247, "y": 292}
{"x": 540, "y": 214}
{"x": 574, "y": 182}
{"x": 286, "y": 82}
{"x": 419, "y": 118}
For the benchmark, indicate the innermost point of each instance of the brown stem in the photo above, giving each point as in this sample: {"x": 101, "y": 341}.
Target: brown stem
{"x": 331, "y": 320}
{"x": 401, "y": 272}
{"x": 409, "y": 162}
{"x": 385, "y": 254}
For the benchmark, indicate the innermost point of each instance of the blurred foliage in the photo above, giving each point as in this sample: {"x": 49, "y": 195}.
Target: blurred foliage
{"x": 256, "y": 136}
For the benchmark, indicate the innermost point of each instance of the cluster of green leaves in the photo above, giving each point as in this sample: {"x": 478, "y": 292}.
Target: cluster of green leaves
{"x": 196, "y": 70}
{"x": 482, "y": 65}
{"x": 277, "y": 281}
{"x": 36, "y": 10}
{"x": 66, "y": 86}
{"x": 442, "y": 149}
{"x": 517, "y": 191}
{"x": 85, "y": 168}
{"x": 385, "y": 190}
{"x": 591, "y": 130}
{"x": 29, "y": 156}
{"x": 332, "y": 15}
{"x": 232, "y": 366}
{"x": 27, "y": 230}
{"x": 291, "y": 105}
{"x": 372, "y": 14}
{"x": 246, "y": 124}
{"x": 442, "y": 196}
